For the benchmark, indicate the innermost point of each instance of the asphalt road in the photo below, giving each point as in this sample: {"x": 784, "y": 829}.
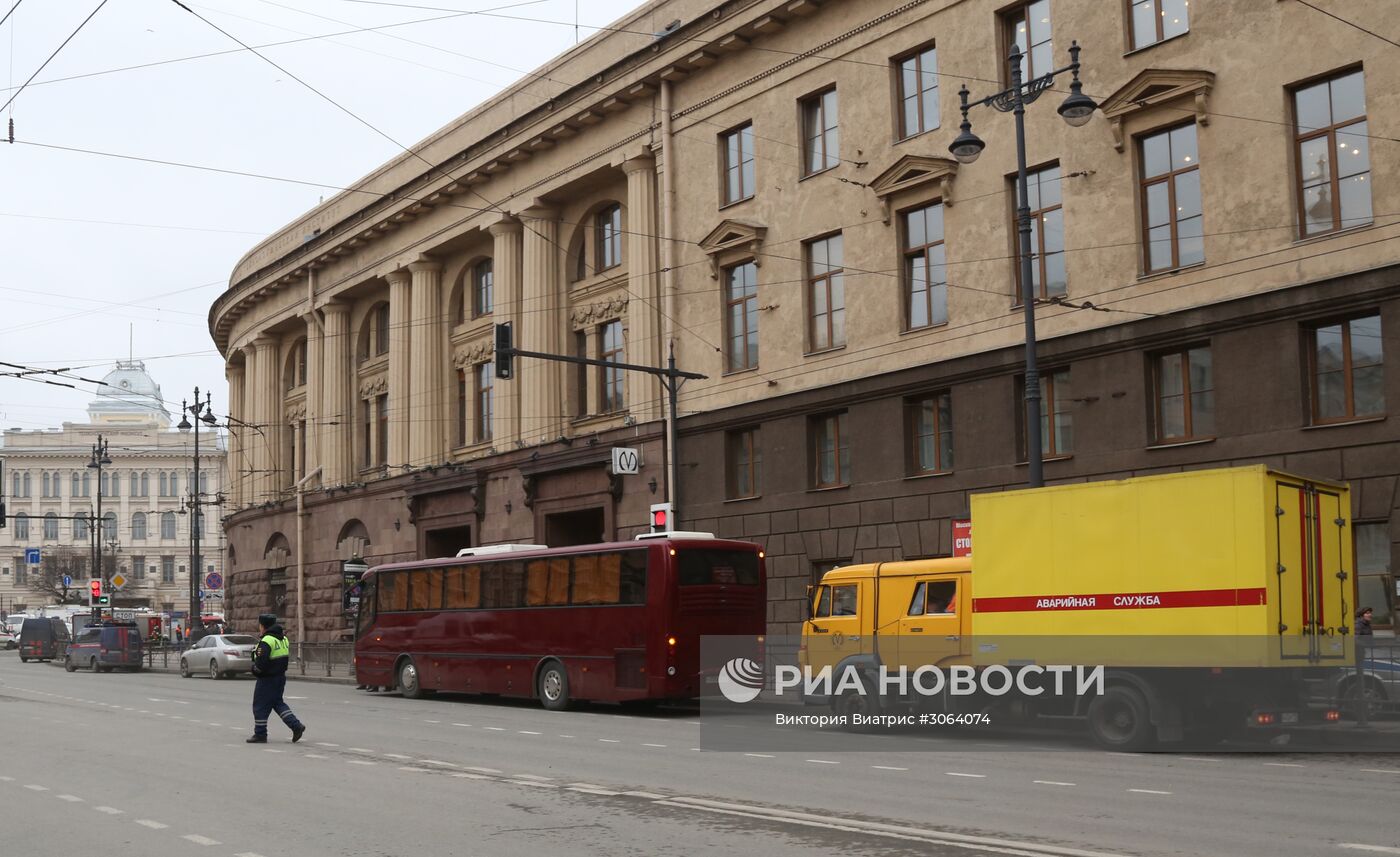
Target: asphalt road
{"x": 154, "y": 765}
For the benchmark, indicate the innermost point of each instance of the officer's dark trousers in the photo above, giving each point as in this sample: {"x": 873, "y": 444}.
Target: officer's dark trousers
{"x": 267, "y": 698}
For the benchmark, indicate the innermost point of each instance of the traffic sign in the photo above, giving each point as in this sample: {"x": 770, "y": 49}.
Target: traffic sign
{"x": 67, "y": 581}
{"x": 118, "y": 580}
{"x": 214, "y": 580}
{"x": 31, "y": 556}
{"x": 625, "y": 460}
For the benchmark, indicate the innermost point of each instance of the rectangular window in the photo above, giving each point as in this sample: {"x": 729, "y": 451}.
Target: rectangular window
{"x": 1185, "y": 395}
{"x": 1056, "y": 421}
{"x": 483, "y": 288}
{"x": 831, "y": 455}
{"x": 608, "y": 228}
{"x": 929, "y": 421}
{"x": 366, "y": 433}
{"x": 167, "y": 569}
{"x": 547, "y": 582}
{"x": 1171, "y": 200}
{"x": 463, "y": 588}
{"x": 744, "y": 462}
{"x": 138, "y": 567}
{"x": 826, "y": 294}
{"x": 820, "y": 141}
{"x": 381, "y": 410}
{"x": 51, "y": 526}
{"x": 485, "y": 401}
{"x": 610, "y": 377}
{"x": 1047, "y": 235}
{"x": 918, "y": 92}
{"x": 741, "y": 315}
{"x": 1347, "y": 370}
{"x": 736, "y": 150}
{"x": 1154, "y": 21}
{"x": 461, "y": 415}
{"x": 1027, "y": 26}
{"x": 925, "y": 267}
{"x": 1334, "y": 154}
{"x": 1373, "y": 580}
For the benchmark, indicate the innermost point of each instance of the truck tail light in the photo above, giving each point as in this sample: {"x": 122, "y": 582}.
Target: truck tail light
{"x": 1264, "y": 718}
{"x": 1333, "y": 716}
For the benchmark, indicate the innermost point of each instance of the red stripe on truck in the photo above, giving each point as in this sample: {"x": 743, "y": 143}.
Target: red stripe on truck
{"x": 1121, "y": 601}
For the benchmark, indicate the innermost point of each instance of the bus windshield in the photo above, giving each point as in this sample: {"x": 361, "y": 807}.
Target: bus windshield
{"x": 703, "y": 567}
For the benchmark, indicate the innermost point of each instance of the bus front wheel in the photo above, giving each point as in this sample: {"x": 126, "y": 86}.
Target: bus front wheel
{"x": 552, "y": 686}
{"x": 410, "y": 685}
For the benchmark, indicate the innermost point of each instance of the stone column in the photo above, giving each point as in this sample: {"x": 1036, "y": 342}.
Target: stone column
{"x": 540, "y": 328}
{"x": 427, "y": 402}
{"x": 234, "y": 462}
{"x": 505, "y": 263}
{"x": 400, "y": 378}
{"x": 643, "y": 344}
{"x": 336, "y": 428}
{"x": 314, "y": 381}
{"x": 266, "y": 392}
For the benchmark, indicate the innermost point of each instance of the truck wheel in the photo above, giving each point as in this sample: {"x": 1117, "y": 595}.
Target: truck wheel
{"x": 552, "y": 687}
{"x": 1119, "y": 720}
{"x": 1371, "y": 693}
{"x": 852, "y": 703}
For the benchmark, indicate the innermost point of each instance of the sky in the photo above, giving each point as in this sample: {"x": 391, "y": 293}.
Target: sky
{"x": 105, "y": 257}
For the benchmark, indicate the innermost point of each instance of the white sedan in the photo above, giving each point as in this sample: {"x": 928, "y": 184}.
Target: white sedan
{"x": 219, "y": 655}
{"x": 8, "y": 640}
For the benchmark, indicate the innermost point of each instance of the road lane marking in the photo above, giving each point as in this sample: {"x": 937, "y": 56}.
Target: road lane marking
{"x": 535, "y": 783}
{"x": 593, "y": 791}
{"x": 313, "y": 756}
{"x": 1379, "y": 771}
{"x": 610, "y": 740}
{"x": 961, "y": 774}
{"x": 36, "y": 788}
{"x": 1375, "y": 849}
{"x": 523, "y": 732}
{"x": 887, "y": 768}
{"x": 462, "y": 724}
{"x": 1198, "y": 759}
{"x": 70, "y": 798}
{"x": 646, "y": 795}
{"x": 110, "y": 810}
{"x": 360, "y": 762}
{"x": 411, "y": 769}
{"x": 471, "y": 776}
{"x": 823, "y": 762}
{"x": 436, "y": 762}
{"x": 326, "y": 744}
{"x": 1284, "y": 765}
{"x": 566, "y": 736}
{"x": 494, "y": 728}
{"x": 359, "y": 750}
{"x": 1148, "y": 792}
{"x": 662, "y": 746}
{"x": 397, "y": 757}
{"x": 154, "y": 825}
{"x": 201, "y": 840}
{"x": 760, "y": 755}
{"x": 248, "y": 854}
{"x": 482, "y": 770}
{"x": 7, "y": 779}
{"x": 432, "y": 721}
{"x": 1050, "y": 783}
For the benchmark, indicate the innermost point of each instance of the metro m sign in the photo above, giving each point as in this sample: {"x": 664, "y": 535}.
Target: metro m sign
{"x": 962, "y": 537}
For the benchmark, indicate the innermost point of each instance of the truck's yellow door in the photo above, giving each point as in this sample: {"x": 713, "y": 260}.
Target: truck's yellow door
{"x": 930, "y": 630}
{"x": 1314, "y": 569}
{"x": 834, "y": 631}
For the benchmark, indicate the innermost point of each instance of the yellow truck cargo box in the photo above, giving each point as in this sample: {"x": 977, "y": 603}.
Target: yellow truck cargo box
{"x": 1243, "y": 552}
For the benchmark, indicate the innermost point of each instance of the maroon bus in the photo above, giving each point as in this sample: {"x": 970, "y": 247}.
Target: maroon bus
{"x": 614, "y": 622}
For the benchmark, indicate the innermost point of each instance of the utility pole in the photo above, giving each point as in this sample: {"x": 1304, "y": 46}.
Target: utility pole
{"x": 195, "y": 504}
{"x": 99, "y": 460}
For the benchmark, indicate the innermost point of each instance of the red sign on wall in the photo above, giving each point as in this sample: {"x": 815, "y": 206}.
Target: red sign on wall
{"x": 962, "y": 538}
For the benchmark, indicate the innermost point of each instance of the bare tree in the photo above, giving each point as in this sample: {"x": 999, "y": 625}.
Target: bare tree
{"x": 56, "y": 563}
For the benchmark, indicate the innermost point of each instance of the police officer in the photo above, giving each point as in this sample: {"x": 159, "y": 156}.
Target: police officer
{"x": 270, "y": 659}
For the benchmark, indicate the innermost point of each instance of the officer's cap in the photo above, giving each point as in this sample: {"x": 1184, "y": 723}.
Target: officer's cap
{"x": 267, "y": 620}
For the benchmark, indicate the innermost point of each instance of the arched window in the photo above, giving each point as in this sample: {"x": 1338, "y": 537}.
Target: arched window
{"x": 138, "y": 525}
{"x": 109, "y": 527}
{"x": 607, "y": 234}
{"x": 483, "y": 287}
{"x": 296, "y": 366}
{"x": 167, "y": 525}
{"x": 80, "y": 529}
{"x": 51, "y": 526}
{"x": 374, "y": 334}
{"x": 21, "y": 526}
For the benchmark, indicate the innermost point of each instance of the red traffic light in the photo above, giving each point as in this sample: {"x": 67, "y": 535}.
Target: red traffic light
{"x": 95, "y": 587}
{"x": 658, "y": 518}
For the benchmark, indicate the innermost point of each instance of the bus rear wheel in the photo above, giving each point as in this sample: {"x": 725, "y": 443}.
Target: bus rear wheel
{"x": 552, "y": 687}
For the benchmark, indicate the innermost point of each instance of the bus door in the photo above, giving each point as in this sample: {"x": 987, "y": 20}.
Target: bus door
{"x": 930, "y": 631}
{"x": 834, "y": 631}
{"x": 1314, "y": 571}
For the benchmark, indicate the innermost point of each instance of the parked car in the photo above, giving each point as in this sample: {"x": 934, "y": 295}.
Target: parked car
{"x": 106, "y": 646}
{"x": 43, "y": 639}
{"x": 219, "y": 655}
{"x": 7, "y": 639}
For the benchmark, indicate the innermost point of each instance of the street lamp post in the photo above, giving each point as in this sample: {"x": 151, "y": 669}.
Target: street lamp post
{"x": 195, "y": 504}
{"x": 1077, "y": 109}
{"x": 99, "y": 459}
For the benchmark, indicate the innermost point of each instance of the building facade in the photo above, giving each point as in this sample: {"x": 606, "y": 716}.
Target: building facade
{"x": 52, "y": 495}
{"x": 764, "y": 189}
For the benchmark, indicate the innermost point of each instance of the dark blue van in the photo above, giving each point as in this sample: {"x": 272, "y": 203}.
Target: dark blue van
{"x": 105, "y": 646}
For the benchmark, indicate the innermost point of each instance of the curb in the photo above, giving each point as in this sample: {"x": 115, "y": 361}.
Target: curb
{"x": 291, "y": 676}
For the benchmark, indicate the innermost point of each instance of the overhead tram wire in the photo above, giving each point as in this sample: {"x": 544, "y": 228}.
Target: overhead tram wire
{"x": 65, "y": 42}
{"x": 11, "y": 12}
{"x": 1350, "y": 23}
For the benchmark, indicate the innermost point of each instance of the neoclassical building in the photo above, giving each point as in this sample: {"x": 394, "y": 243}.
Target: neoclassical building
{"x": 51, "y": 495}
{"x": 764, "y": 188}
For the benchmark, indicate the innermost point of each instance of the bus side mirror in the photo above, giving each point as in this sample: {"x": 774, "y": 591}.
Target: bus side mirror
{"x": 810, "y": 590}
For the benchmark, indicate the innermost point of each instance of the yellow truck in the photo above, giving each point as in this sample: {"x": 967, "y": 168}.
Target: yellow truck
{"x": 1204, "y": 596}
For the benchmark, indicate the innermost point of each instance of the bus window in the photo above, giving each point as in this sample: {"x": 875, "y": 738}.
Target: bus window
{"x": 699, "y": 567}
{"x": 393, "y": 591}
{"x": 463, "y": 588}
{"x": 843, "y": 600}
{"x": 503, "y": 584}
{"x": 823, "y": 603}
{"x": 547, "y": 582}
{"x": 591, "y": 585}
{"x": 916, "y": 605}
{"x": 366, "y": 617}
{"x": 632, "y": 587}
{"x": 942, "y": 597}
{"x": 426, "y": 590}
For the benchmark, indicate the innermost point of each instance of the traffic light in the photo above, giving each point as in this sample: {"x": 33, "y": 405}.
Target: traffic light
{"x": 505, "y": 352}
{"x": 96, "y": 597}
{"x": 661, "y": 517}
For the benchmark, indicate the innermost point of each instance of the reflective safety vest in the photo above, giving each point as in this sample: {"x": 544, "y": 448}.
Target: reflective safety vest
{"x": 277, "y": 648}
